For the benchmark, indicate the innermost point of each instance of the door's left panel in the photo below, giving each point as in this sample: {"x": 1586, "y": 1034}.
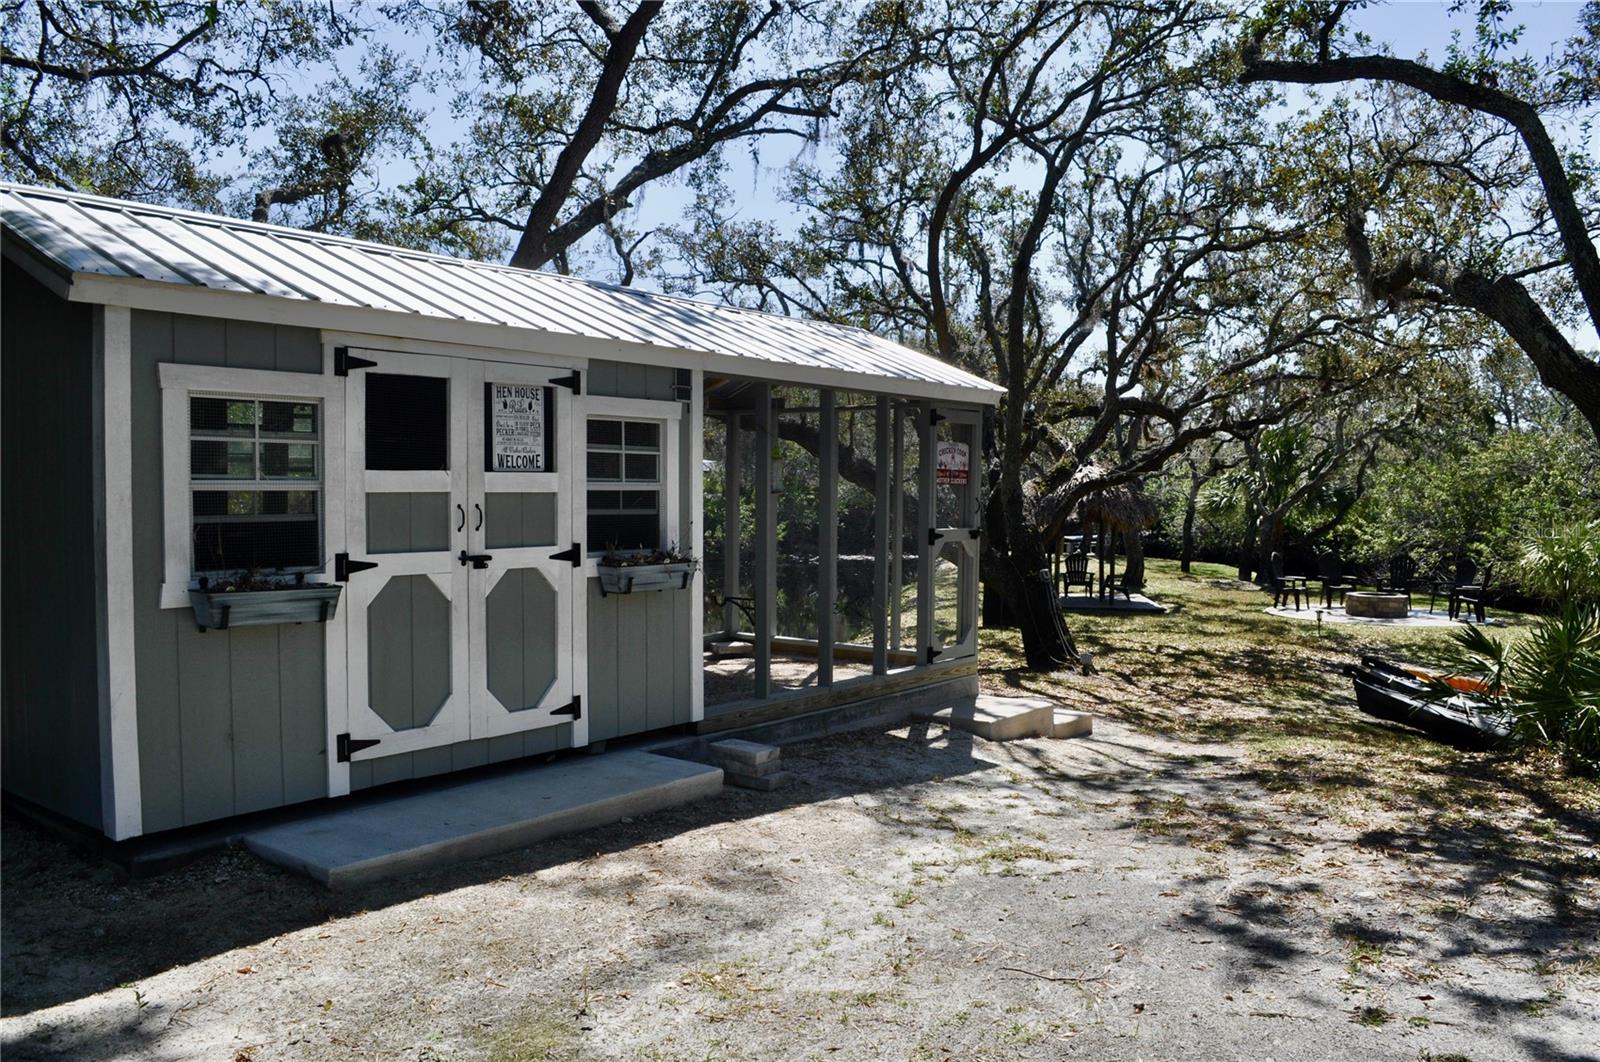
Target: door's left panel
{"x": 405, "y": 517}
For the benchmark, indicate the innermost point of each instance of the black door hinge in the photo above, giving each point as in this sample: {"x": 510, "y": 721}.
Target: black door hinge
{"x": 349, "y": 746}
{"x": 572, "y": 381}
{"x": 575, "y": 709}
{"x": 935, "y": 417}
{"x": 575, "y": 554}
{"x": 344, "y": 361}
{"x": 344, "y": 567}
{"x": 932, "y": 652}
{"x": 934, "y": 534}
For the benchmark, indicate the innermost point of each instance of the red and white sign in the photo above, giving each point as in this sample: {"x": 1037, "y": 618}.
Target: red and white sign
{"x": 952, "y": 465}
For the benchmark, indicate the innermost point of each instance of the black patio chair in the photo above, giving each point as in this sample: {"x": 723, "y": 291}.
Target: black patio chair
{"x": 1447, "y": 580}
{"x": 1401, "y": 579}
{"x": 1333, "y": 580}
{"x": 1283, "y": 586}
{"x": 1472, "y": 595}
{"x": 1075, "y": 572}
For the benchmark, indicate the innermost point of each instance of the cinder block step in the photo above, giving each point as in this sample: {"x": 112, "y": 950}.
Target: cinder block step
{"x": 996, "y": 718}
{"x": 764, "y": 782}
{"x": 385, "y": 838}
{"x": 747, "y": 754}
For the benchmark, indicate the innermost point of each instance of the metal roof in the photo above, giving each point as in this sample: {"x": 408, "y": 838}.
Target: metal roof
{"x": 93, "y": 236}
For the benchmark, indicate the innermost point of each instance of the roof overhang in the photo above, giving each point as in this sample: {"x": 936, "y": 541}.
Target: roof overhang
{"x": 140, "y": 294}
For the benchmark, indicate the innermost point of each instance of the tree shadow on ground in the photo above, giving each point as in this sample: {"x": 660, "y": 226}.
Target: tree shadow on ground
{"x": 73, "y": 929}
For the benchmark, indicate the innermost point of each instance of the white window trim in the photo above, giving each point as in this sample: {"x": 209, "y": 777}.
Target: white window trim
{"x": 665, "y": 413}
{"x": 177, "y": 383}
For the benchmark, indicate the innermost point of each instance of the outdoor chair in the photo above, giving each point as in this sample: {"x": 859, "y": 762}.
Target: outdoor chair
{"x": 1401, "y": 579}
{"x": 1333, "y": 581}
{"x": 1285, "y": 585}
{"x": 1471, "y": 595}
{"x": 1446, "y": 582}
{"x": 1075, "y": 572}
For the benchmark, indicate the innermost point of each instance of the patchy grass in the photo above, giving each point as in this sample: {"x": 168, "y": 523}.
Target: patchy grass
{"x": 1217, "y": 670}
{"x": 1372, "y": 1017}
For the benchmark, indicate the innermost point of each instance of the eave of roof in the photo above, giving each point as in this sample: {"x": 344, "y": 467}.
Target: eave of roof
{"x": 160, "y": 258}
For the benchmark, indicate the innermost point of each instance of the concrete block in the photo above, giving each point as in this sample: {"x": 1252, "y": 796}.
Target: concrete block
{"x": 749, "y": 753}
{"x": 1070, "y": 724}
{"x": 382, "y": 838}
{"x": 763, "y": 782}
{"x": 760, "y": 770}
{"x": 996, "y": 718}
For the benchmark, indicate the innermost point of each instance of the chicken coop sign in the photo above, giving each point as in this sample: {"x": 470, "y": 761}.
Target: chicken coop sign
{"x": 952, "y": 465}
{"x": 517, "y": 435}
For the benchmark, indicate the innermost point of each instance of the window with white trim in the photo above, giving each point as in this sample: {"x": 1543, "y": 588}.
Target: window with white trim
{"x": 255, "y": 483}
{"x": 625, "y": 502}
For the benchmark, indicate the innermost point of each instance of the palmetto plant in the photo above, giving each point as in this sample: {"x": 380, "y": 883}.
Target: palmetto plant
{"x": 1550, "y": 681}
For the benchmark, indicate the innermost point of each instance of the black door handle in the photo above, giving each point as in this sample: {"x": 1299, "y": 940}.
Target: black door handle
{"x": 479, "y": 510}
{"x": 477, "y": 560}
{"x": 463, "y": 514}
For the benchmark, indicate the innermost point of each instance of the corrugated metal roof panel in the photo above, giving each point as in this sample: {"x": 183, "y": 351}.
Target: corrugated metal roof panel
{"x": 114, "y": 238}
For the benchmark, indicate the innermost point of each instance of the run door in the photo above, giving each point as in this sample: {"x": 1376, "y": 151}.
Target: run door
{"x": 955, "y": 539}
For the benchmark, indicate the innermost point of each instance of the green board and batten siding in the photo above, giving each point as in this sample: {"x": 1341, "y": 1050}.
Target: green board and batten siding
{"x": 229, "y": 721}
{"x": 640, "y": 659}
{"x": 51, "y": 713}
{"x": 233, "y": 721}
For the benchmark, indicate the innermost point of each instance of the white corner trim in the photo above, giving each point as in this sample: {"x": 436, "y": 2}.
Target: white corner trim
{"x": 120, "y": 729}
{"x": 696, "y": 543}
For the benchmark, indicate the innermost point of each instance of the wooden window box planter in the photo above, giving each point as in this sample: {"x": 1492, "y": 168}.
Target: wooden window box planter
{"x": 644, "y": 578}
{"x": 223, "y": 609}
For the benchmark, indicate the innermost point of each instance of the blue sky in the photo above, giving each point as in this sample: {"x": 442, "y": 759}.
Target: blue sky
{"x": 1410, "y": 28}
{"x": 1419, "y": 28}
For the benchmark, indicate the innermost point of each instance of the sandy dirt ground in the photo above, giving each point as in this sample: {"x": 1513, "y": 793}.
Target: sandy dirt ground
{"x": 917, "y": 894}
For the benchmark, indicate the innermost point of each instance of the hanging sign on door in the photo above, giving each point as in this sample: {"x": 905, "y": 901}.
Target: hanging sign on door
{"x": 951, "y": 468}
{"x": 517, "y": 428}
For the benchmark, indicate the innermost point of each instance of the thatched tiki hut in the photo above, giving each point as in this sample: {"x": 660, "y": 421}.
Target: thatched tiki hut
{"x": 1122, "y": 509}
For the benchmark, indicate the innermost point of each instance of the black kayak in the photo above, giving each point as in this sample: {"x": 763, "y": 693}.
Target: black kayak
{"x": 1396, "y": 695}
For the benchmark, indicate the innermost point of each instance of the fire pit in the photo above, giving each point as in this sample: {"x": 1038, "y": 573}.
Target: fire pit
{"x": 1369, "y": 605}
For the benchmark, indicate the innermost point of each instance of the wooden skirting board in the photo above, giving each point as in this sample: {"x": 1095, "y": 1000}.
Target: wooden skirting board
{"x": 744, "y": 713}
{"x": 788, "y": 646}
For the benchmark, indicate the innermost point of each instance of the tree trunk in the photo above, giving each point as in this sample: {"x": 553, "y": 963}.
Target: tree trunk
{"x": 997, "y": 611}
{"x": 1269, "y": 539}
{"x": 1186, "y": 551}
{"x": 1247, "y": 548}
{"x": 1022, "y": 576}
{"x": 1133, "y": 570}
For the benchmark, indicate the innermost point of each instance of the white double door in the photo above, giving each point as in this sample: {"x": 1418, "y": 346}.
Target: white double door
{"x": 459, "y": 529}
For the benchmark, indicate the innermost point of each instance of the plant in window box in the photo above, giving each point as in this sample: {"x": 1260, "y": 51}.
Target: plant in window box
{"x": 638, "y": 571}
{"x": 254, "y": 599}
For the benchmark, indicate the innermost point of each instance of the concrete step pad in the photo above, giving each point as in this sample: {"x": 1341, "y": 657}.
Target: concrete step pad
{"x": 484, "y": 816}
{"x": 1071, "y": 724}
{"x": 996, "y": 718}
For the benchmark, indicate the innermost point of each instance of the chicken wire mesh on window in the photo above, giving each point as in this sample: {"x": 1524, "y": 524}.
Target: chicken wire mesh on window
{"x": 408, "y": 422}
{"x": 624, "y": 498}
{"x": 255, "y": 468}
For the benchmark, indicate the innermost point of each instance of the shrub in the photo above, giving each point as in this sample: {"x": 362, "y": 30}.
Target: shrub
{"x": 1550, "y": 681}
